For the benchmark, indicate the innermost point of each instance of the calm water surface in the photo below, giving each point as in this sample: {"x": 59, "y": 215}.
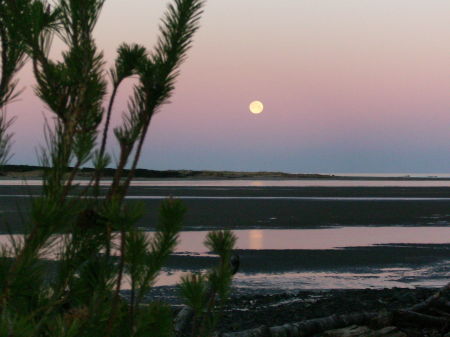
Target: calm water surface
{"x": 191, "y": 242}
{"x": 320, "y": 238}
{"x": 435, "y": 275}
{"x": 258, "y": 183}
{"x": 323, "y": 238}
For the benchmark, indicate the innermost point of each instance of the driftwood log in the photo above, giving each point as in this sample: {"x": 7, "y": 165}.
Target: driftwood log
{"x": 417, "y": 315}
{"x": 430, "y": 300}
{"x": 306, "y": 328}
{"x": 182, "y": 320}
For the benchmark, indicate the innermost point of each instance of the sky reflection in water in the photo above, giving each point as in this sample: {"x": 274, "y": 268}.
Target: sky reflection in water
{"x": 324, "y": 238}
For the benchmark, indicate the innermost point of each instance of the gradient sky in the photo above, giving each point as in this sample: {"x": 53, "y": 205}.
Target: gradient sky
{"x": 348, "y": 86}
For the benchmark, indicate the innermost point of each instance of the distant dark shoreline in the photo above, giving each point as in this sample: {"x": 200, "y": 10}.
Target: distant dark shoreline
{"x": 30, "y": 171}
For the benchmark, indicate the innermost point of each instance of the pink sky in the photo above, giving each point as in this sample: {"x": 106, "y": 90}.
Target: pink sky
{"x": 348, "y": 86}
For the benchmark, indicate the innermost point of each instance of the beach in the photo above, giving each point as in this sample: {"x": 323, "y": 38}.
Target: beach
{"x": 365, "y": 236}
{"x": 273, "y": 207}
{"x": 304, "y": 251}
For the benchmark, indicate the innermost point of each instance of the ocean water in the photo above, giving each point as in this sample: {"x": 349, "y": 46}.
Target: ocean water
{"x": 374, "y": 276}
{"x": 322, "y": 238}
{"x": 336, "y": 238}
{"x": 434, "y": 274}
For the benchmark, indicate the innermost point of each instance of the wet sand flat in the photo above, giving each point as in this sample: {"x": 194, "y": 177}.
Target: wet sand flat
{"x": 349, "y": 258}
{"x": 254, "y": 191}
{"x": 290, "y": 208}
{"x": 273, "y": 207}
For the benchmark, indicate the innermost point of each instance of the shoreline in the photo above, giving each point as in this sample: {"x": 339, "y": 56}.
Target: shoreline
{"x": 210, "y": 214}
{"x": 346, "y": 259}
{"x": 247, "y": 312}
{"x": 255, "y": 309}
{"x": 305, "y": 177}
{"x": 35, "y": 173}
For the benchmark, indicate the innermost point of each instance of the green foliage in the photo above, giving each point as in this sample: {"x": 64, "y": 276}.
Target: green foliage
{"x": 206, "y": 293}
{"x": 194, "y": 290}
{"x": 155, "y": 320}
{"x": 129, "y": 58}
{"x": 221, "y": 242}
{"x": 20, "y": 326}
{"x": 12, "y": 59}
{"x": 12, "y": 54}
{"x": 98, "y": 247}
{"x": 5, "y": 138}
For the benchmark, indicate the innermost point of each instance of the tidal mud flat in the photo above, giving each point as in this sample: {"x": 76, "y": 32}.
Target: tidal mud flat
{"x": 271, "y": 272}
{"x": 277, "y": 286}
{"x": 297, "y": 260}
{"x": 299, "y": 237}
{"x": 271, "y": 207}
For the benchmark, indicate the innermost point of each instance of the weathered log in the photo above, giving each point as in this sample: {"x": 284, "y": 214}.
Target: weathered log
{"x": 444, "y": 304}
{"x": 418, "y": 319}
{"x": 314, "y": 326}
{"x": 182, "y": 319}
{"x": 440, "y": 312}
{"x": 364, "y": 331}
{"x": 430, "y": 300}
{"x": 308, "y": 327}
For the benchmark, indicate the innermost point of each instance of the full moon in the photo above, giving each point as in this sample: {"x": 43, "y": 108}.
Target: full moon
{"x": 256, "y": 107}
